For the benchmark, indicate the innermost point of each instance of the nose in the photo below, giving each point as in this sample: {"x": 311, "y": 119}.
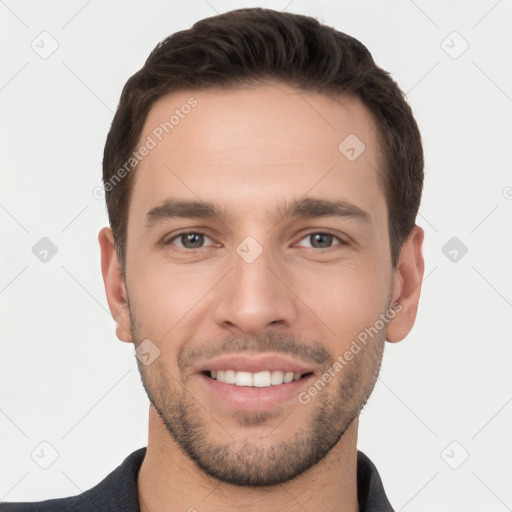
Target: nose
{"x": 255, "y": 296}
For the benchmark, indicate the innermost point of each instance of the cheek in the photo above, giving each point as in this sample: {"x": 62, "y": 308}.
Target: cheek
{"x": 347, "y": 299}
{"x": 165, "y": 299}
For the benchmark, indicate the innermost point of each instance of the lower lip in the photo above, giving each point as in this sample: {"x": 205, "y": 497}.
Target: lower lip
{"x": 254, "y": 399}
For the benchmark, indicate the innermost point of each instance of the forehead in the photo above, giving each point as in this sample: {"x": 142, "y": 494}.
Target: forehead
{"x": 255, "y": 144}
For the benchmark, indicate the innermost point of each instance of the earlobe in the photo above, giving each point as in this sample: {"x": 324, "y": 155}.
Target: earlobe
{"x": 114, "y": 285}
{"x": 407, "y": 286}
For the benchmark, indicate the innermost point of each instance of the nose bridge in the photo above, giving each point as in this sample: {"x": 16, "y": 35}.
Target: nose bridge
{"x": 253, "y": 297}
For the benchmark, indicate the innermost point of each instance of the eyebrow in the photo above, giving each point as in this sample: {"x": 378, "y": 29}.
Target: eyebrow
{"x": 306, "y": 207}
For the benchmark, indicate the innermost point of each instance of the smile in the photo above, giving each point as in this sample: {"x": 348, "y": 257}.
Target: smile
{"x": 261, "y": 379}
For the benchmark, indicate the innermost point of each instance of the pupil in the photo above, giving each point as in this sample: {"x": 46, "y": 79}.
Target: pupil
{"x": 193, "y": 240}
{"x": 321, "y": 240}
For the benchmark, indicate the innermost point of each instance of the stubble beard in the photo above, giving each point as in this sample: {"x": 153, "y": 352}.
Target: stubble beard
{"x": 246, "y": 462}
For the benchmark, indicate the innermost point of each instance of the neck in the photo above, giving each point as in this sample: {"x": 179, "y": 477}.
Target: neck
{"x": 169, "y": 480}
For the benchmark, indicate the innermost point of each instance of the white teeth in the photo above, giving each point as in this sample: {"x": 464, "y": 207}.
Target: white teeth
{"x": 260, "y": 379}
{"x": 288, "y": 377}
{"x": 229, "y": 376}
{"x": 242, "y": 378}
{"x": 277, "y": 377}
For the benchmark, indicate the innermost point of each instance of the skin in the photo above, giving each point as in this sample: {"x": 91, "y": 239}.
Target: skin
{"x": 249, "y": 150}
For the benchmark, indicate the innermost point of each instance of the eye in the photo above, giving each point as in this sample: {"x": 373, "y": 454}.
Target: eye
{"x": 321, "y": 240}
{"x": 190, "y": 240}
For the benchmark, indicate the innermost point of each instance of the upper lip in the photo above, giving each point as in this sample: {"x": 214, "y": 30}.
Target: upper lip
{"x": 254, "y": 363}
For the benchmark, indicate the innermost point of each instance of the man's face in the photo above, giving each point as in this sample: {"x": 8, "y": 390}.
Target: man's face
{"x": 242, "y": 289}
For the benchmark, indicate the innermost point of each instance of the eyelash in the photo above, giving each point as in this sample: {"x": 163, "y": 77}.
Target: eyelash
{"x": 323, "y": 232}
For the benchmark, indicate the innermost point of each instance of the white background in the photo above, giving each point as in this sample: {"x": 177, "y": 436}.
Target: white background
{"x": 67, "y": 380}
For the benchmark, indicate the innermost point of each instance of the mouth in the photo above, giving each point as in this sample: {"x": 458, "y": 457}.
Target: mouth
{"x": 262, "y": 379}
{"x": 253, "y": 382}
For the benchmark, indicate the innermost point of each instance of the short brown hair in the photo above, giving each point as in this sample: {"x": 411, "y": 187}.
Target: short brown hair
{"x": 251, "y": 46}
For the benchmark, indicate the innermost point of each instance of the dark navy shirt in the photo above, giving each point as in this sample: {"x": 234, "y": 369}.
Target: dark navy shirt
{"x": 118, "y": 491}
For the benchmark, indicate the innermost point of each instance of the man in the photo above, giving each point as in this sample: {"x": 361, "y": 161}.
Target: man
{"x": 262, "y": 180}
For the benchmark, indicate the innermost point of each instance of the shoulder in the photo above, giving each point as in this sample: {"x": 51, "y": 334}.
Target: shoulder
{"x": 117, "y": 491}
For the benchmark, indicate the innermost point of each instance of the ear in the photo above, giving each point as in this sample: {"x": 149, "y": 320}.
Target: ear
{"x": 114, "y": 285}
{"x": 407, "y": 286}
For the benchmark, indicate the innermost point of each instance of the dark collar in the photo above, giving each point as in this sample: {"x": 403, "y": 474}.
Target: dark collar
{"x": 370, "y": 491}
